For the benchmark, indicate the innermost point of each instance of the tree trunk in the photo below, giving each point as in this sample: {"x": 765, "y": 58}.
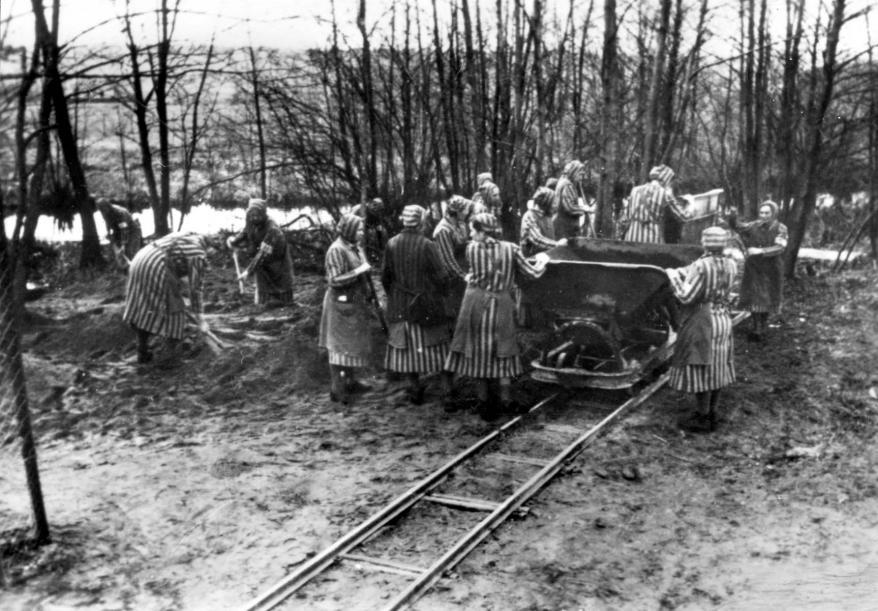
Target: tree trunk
{"x": 90, "y": 254}
{"x": 610, "y": 124}
{"x": 815, "y": 138}
{"x": 257, "y": 108}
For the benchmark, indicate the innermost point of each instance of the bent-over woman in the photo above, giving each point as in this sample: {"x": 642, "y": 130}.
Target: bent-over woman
{"x": 344, "y": 325}
{"x": 153, "y": 296}
{"x": 703, "y": 361}
{"x": 270, "y": 258}
{"x": 413, "y": 279}
{"x": 762, "y": 285}
{"x": 484, "y": 345}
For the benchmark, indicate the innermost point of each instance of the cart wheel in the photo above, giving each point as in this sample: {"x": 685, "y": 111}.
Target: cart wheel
{"x": 594, "y": 340}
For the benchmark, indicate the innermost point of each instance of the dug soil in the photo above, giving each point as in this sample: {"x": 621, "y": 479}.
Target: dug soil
{"x": 200, "y": 480}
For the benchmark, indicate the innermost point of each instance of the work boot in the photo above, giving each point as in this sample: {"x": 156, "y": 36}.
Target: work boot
{"x": 337, "y": 390}
{"x": 696, "y": 423}
{"x": 415, "y": 391}
{"x": 352, "y": 385}
{"x": 507, "y": 404}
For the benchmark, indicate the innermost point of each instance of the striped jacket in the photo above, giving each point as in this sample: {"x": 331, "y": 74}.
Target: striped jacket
{"x": 154, "y": 302}
{"x": 703, "y": 356}
{"x": 451, "y": 239}
{"x": 644, "y": 214}
{"x": 411, "y": 267}
{"x": 537, "y": 232}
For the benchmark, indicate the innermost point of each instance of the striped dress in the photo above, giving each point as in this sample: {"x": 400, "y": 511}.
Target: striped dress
{"x": 344, "y": 325}
{"x": 568, "y": 211}
{"x": 645, "y": 210}
{"x": 704, "y": 353}
{"x": 537, "y": 232}
{"x": 412, "y": 271}
{"x": 484, "y": 344}
{"x": 153, "y": 300}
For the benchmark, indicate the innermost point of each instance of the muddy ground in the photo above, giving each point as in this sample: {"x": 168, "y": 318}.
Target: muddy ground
{"x": 198, "y": 481}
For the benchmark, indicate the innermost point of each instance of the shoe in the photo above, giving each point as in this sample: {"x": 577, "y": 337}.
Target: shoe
{"x": 357, "y": 387}
{"x": 487, "y": 410}
{"x": 696, "y": 423}
{"x": 415, "y": 396}
{"x": 335, "y": 398}
{"x": 451, "y": 405}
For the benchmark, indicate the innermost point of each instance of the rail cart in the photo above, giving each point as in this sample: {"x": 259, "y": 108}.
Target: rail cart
{"x": 610, "y": 309}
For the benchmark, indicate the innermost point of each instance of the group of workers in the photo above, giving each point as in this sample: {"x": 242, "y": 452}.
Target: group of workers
{"x": 451, "y": 308}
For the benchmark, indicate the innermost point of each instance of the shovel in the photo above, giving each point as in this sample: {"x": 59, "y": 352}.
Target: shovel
{"x": 216, "y": 345}
{"x": 238, "y": 271}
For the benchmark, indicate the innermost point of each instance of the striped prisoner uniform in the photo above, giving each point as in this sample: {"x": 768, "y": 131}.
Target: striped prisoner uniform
{"x": 344, "y": 350}
{"x": 537, "y": 232}
{"x": 153, "y": 300}
{"x": 412, "y": 270}
{"x": 644, "y": 213}
{"x": 484, "y": 344}
{"x": 704, "y": 353}
{"x": 451, "y": 238}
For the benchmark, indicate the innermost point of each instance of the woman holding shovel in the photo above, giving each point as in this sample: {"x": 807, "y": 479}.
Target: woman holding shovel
{"x": 269, "y": 253}
{"x": 154, "y": 301}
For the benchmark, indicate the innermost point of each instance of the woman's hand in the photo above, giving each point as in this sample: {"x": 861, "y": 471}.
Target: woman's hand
{"x": 755, "y": 251}
{"x": 362, "y": 268}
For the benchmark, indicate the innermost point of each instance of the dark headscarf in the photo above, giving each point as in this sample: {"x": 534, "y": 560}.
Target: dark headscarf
{"x": 543, "y": 197}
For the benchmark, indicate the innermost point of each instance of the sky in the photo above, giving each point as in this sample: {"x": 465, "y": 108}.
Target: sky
{"x": 300, "y": 24}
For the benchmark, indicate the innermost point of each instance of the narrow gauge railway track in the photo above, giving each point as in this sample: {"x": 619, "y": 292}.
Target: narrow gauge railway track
{"x": 422, "y": 578}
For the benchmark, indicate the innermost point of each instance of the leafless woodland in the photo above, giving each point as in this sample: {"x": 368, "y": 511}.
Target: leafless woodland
{"x": 423, "y": 96}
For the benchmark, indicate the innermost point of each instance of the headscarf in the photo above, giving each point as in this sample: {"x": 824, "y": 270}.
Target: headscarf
{"x": 543, "y": 197}
{"x": 488, "y": 223}
{"x": 571, "y": 169}
{"x": 257, "y": 213}
{"x": 551, "y": 183}
{"x": 774, "y": 209}
{"x": 412, "y": 216}
{"x": 460, "y": 206}
{"x": 375, "y": 206}
{"x": 662, "y": 173}
{"x": 714, "y": 238}
{"x": 483, "y": 178}
{"x": 348, "y": 226}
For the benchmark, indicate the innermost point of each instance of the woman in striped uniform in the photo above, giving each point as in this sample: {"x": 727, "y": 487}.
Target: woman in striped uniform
{"x": 484, "y": 345}
{"x": 451, "y": 236}
{"x": 569, "y": 210}
{"x": 537, "y": 235}
{"x": 270, "y": 259}
{"x": 153, "y": 301}
{"x": 703, "y": 361}
{"x": 344, "y": 325}
{"x": 643, "y": 218}
{"x": 762, "y": 285}
{"x": 413, "y": 279}
{"x": 537, "y": 230}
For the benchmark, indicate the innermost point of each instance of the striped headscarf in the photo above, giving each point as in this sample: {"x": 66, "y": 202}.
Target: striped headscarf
{"x": 572, "y": 168}
{"x": 483, "y": 178}
{"x": 661, "y": 173}
{"x": 488, "y": 223}
{"x": 348, "y": 226}
{"x": 412, "y": 216}
{"x": 714, "y": 238}
{"x": 460, "y": 206}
